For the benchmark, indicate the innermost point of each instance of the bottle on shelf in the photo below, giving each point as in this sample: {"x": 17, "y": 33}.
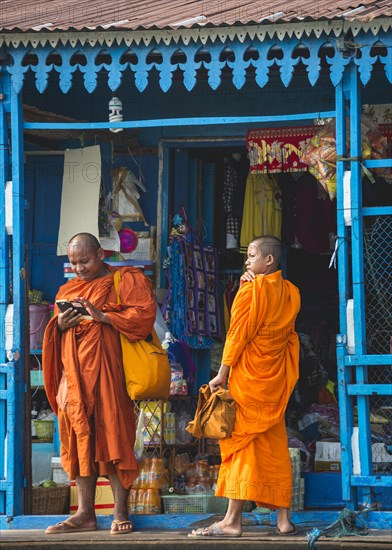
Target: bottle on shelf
{"x": 34, "y": 414}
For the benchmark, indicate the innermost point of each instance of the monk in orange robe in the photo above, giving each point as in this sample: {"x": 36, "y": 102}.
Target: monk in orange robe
{"x": 261, "y": 354}
{"x": 84, "y": 379}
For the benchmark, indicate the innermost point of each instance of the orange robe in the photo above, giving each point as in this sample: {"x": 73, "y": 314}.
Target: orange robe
{"x": 84, "y": 377}
{"x": 262, "y": 350}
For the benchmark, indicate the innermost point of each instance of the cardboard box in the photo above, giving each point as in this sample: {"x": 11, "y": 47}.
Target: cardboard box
{"x": 328, "y": 456}
{"x": 104, "y": 501}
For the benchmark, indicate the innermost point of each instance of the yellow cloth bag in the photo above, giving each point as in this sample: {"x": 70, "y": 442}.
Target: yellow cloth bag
{"x": 146, "y": 365}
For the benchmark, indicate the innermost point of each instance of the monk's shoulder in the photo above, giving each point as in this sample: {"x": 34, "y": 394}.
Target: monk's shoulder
{"x": 133, "y": 276}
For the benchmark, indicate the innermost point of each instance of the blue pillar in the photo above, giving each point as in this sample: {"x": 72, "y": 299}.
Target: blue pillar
{"x": 358, "y": 280}
{"x": 4, "y": 275}
{"x": 15, "y": 371}
{"x": 344, "y": 374}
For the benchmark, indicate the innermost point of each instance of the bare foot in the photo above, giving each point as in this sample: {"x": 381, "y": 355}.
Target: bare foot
{"x": 217, "y": 530}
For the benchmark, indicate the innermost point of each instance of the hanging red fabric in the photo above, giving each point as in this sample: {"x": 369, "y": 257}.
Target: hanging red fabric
{"x": 273, "y": 150}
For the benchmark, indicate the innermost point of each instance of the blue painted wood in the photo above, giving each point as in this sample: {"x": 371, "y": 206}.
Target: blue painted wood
{"x": 262, "y": 64}
{"x": 142, "y": 68}
{"x": 386, "y": 59}
{"x": 369, "y": 389}
{"x": 365, "y": 452}
{"x": 15, "y": 373}
{"x": 312, "y": 62}
{"x": 287, "y": 63}
{"x": 377, "y": 211}
{"x": 191, "y": 66}
{"x": 157, "y": 123}
{"x": 215, "y": 66}
{"x": 215, "y": 50}
{"x": 4, "y": 275}
{"x": 376, "y": 481}
{"x": 66, "y": 70}
{"x": 163, "y": 206}
{"x": 167, "y": 68}
{"x": 367, "y": 360}
{"x": 238, "y": 65}
{"x": 307, "y": 518}
{"x": 383, "y": 163}
{"x": 338, "y": 63}
{"x": 344, "y": 375}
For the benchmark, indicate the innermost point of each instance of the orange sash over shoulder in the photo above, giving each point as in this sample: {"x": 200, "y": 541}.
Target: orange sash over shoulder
{"x": 262, "y": 349}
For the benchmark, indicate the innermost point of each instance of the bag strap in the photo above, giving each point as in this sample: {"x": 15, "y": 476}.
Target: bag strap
{"x": 152, "y": 338}
{"x": 116, "y": 282}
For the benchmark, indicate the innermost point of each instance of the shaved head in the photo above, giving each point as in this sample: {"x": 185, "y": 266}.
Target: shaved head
{"x": 85, "y": 240}
{"x": 268, "y": 244}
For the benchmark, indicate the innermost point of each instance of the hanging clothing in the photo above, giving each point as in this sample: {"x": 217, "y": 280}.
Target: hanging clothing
{"x": 262, "y": 209}
{"x": 230, "y": 181}
{"x": 308, "y": 214}
{"x": 262, "y": 350}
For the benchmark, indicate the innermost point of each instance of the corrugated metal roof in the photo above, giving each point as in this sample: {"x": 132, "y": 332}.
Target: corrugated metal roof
{"x": 27, "y": 15}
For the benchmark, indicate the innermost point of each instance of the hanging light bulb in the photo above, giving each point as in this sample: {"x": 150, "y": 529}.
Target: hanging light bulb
{"x": 115, "y": 113}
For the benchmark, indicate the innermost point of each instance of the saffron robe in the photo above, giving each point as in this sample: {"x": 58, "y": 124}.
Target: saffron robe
{"x": 84, "y": 377}
{"x": 262, "y": 349}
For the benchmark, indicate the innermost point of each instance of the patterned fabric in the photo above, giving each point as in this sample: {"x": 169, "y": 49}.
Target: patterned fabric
{"x": 275, "y": 150}
{"x": 191, "y": 306}
{"x": 229, "y": 187}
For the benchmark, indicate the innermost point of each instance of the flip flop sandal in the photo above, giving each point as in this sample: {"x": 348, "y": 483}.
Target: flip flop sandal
{"x": 287, "y": 534}
{"x": 118, "y": 523}
{"x": 213, "y": 531}
{"x": 67, "y": 526}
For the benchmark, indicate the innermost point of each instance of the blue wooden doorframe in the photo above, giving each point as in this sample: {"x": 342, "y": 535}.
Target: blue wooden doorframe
{"x": 353, "y": 367}
{"x": 12, "y": 390}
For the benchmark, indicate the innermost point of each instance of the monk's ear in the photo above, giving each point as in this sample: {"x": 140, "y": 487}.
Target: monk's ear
{"x": 100, "y": 253}
{"x": 270, "y": 259}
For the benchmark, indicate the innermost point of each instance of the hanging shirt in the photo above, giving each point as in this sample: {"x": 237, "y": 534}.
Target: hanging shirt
{"x": 262, "y": 209}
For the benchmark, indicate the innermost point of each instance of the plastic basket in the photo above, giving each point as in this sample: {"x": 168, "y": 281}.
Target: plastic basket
{"x": 44, "y": 429}
{"x": 185, "y": 504}
{"x": 50, "y": 500}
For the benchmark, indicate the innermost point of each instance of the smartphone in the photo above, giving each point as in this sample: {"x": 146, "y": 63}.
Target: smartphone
{"x": 63, "y": 305}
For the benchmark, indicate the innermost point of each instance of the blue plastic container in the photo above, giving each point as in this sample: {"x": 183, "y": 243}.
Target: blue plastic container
{"x": 324, "y": 490}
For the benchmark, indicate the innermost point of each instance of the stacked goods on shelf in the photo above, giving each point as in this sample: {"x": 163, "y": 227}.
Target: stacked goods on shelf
{"x": 144, "y": 496}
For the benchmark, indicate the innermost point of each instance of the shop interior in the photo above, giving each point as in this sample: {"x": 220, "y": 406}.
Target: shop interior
{"x": 178, "y": 473}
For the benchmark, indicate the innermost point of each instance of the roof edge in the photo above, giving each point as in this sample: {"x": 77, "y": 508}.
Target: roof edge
{"x": 280, "y": 31}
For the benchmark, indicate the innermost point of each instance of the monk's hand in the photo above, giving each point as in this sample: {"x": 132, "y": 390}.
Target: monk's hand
{"x": 70, "y": 318}
{"x": 247, "y": 276}
{"x": 220, "y": 379}
{"x": 98, "y": 315}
